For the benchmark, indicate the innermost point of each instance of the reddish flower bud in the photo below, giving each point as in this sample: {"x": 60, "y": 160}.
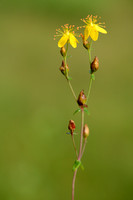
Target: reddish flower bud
{"x": 63, "y": 51}
{"x": 82, "y": 98}
{"x": 71, "y": 126}
{"x": 86, "y": 131}
{"x": 95, "y": 65}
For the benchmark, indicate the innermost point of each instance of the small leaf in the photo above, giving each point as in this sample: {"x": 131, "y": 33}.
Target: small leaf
{"x": 86, "y": 110}
{"x": 76, "y": 165}
{"x": 68, "y": 133}
{"x": 75, "y": 133}
{"x": 93, "y": 77}
{"x": 78, "y": 110}
{"x": 82, "y": 167}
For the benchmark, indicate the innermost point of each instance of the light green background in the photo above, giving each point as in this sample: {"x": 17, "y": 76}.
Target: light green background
{"x": 36, "y": 156}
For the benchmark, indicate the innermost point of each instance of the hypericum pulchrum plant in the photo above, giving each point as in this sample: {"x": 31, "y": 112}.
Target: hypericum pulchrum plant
{"x": 68, "y": 36}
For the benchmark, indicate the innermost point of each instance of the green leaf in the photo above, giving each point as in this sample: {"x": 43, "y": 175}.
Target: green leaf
{"x": 76, "y": 165}
{"x": 78, "y": 110}
{"x": 86, "y": 110}
{"x": 82, "y": 167}
{"x": 68, "y": 133}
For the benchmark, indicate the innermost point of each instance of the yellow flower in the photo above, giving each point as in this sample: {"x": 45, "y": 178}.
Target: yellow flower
{"x": 92, "y": 27}
{"x": 68, "y": 35}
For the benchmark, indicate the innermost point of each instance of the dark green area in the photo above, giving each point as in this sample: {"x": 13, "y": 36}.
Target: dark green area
{"x": 36, "y": 154}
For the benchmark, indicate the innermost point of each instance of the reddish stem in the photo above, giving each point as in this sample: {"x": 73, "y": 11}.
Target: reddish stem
{"x": 80, "y": 151}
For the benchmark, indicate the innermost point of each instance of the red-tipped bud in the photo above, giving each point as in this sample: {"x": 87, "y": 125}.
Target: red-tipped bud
{"x": 63, "y": 51}
{"x": 71, "y": 126}
{"x": 95, "y": 65}
{"x": 86, "y": 131}
{"x": 82, "y": 98}
{"x": 86, "y": 44}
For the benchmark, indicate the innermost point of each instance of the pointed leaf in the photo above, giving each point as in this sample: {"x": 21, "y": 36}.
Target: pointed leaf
{"x": 82, "y": 167}
{"x": 78, "y": 110}
{"x": 86, "y": 110}
{"x": 76, "y": 165}
{"x": 68, "y": 133}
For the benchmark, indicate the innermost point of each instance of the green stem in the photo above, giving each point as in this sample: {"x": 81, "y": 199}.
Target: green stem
{"x": 89, "y": 51}
{"x": 89, "y": 90}
{"x": 85, "y": 140}
{"x": 71, "y": 88}
{"x": 74, "y": 146}
{"x": 90, "y": 84}
{"x": 81, "y": 137}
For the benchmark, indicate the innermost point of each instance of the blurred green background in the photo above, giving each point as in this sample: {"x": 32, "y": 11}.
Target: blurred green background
{"x": 36, "y": 156}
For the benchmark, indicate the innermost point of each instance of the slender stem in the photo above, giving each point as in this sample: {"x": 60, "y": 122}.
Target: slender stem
{"x": 74, "y": 146}
{"x": 81, "y": 137}
{"x": 85, "y": 140}
{"x": 71, "y": 88}
{"x": 89, "y": 90}
{"x": 73, "y": 183}
{"x": 89, "y": 51}
{"x": 80, "y": 151}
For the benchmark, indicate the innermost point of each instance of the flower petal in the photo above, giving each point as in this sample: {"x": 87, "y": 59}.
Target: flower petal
{"x": 94, "y": 34}
{"x": 99, "y": 29}
{"x": 62, "y": 41}
{"x": 87, "y": 32}
{"x": 73, "y": 41}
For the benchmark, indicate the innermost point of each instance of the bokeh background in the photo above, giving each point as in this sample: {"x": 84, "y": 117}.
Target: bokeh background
{"x": 36, "y": 155}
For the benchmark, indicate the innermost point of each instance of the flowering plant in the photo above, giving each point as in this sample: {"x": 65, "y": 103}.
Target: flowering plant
{"x": 68, "y": 36}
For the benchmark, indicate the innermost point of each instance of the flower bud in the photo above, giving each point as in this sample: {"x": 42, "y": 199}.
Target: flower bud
{"x": 64, "y": 69}
{"x": 82, "y": 98}
{"x": 71, "y": 126}
{"x": 95, "y": 65}
{"x": 86, "y": 131}
{"x": 63, "y": 51}
{"x": 86, "y": 44}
